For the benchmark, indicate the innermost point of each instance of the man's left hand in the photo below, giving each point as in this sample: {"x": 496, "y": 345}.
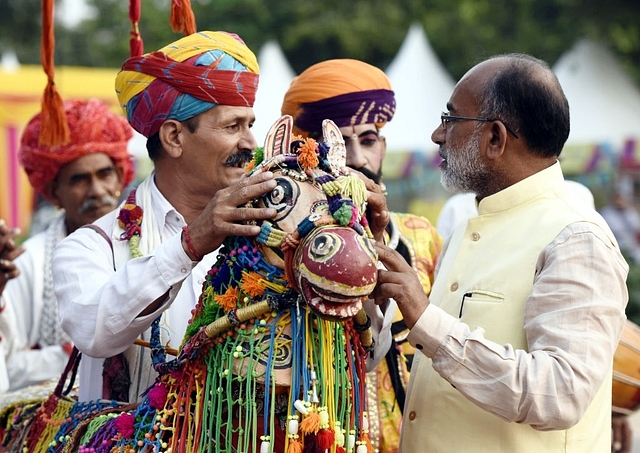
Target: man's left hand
{"x": 377, "y": 211}
{"x": 620, "y": 434}
{"x": 400, "y": 282}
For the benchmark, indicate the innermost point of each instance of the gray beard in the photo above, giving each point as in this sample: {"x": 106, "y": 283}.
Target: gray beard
{"x": 465, "y": 172}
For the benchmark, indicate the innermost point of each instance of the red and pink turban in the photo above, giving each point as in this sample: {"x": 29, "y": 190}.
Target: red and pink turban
{"x": 348, "y": 92}
{"x": 186, "y": 78}
{"x": 94, "y": 128}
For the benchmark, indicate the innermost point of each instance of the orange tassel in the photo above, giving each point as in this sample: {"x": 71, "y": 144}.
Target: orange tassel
{"x": 365, "y": 438}
{"x": 311, "y": 423}
{"x": 55, "y": 129}
{"x": 182, "y": 18}
{"x": 326, "y": 438}
{"x": 294, "y": 446}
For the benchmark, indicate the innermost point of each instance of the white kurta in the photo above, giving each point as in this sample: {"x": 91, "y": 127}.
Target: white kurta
{"x": 20, "y": 322}
{"x": 99, "y": 307}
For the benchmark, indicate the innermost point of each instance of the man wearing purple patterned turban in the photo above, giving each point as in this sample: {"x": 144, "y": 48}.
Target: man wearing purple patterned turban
{"x": 358, "y": 97}
{"x": 147, "y": 260}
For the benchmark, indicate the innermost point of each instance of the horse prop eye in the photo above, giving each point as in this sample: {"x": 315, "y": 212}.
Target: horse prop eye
{"x": 283, "y": 198}
{"x": 324, "y": 246}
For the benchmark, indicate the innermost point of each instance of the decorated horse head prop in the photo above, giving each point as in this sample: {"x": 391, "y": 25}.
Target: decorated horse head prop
{"x": 274, "y": 356}
{"x": 320, "y": 229}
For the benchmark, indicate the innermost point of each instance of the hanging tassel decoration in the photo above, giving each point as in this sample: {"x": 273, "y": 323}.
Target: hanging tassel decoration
{"x": 292, "y": 433}
{"x": 326, "y": 436}
{"x": 136, "y": 46}
{"x": 294, "y": 446}
{"x": 182, "y": 18}
{"x": 364, "y": 444}
{"x": 311, "y": 423}
{"x": 265, "y": 446}
{"x": 339, "y": 435}
{"x": 55, "y": 129}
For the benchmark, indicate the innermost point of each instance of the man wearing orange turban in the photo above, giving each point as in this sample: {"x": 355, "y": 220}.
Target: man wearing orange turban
{"x": 84, "y": 179}
{"x": 358, "y": 97}
{"x": 193, "y": 101}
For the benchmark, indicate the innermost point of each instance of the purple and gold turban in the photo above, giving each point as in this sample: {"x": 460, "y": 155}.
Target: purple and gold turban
{"x": 93, "y": 128}
{"x": 186, "y": 78}
{"x": 349, "y": 92}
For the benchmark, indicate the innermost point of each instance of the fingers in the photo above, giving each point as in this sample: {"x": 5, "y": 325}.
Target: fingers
{"x": 13, "y": 254}
{"x": 8, "y": 248}
{"x": 391, "y": 259}
{"x": 377, "y": 211}
{"x": 250, "y": 187}
{"x": 228, "y": 212}
{"x": 621, "y": 435}
{"x": 8, "y": 270}
{"x": 377, "y": 214}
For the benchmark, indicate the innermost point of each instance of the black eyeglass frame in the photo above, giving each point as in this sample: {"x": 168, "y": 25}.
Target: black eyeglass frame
{"x": 447, "y": 117}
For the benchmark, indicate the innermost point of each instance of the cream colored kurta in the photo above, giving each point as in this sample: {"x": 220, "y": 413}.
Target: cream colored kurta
{"x": 518, "y": 343}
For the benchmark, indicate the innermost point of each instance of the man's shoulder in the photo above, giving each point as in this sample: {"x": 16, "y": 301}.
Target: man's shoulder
{"x": 37, "y": 240}
{"x": 415, "y": 228}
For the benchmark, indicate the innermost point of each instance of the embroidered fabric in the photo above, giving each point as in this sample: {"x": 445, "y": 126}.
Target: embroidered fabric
{"x": 51, "y": 332}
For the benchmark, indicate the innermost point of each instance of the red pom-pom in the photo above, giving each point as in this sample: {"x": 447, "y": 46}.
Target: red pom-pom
{"x": 326, "y": 438}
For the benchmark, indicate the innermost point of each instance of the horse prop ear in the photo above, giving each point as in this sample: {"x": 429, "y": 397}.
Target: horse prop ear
{"x": 337, "y": 155}
{"x": 278, "y": 139}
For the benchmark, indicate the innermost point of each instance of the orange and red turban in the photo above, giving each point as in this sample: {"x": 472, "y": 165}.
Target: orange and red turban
{"x": 349, "y": 92}
{"x": 93, "y": 127}
{"x": 186, "y": 78}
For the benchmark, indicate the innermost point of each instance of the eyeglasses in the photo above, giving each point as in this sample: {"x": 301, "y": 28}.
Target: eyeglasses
{"x": 446, "y": 117}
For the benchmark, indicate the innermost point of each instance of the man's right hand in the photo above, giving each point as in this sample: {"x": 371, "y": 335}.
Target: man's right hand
{"x": 9, "y": 251}
{"x": 227, "y": 215}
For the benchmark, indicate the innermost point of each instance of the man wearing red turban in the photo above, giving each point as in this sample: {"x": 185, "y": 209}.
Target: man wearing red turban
{"x": 83, "y": 178}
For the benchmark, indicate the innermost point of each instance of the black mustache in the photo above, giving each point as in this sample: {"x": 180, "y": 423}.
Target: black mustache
{"x": 241, "y": 157}
{"x": 375, "y": 177}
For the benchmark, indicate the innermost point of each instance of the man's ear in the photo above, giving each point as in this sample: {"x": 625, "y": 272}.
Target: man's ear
{"x": 170, "y": 137}
{"x": 120, "y": 172}
{"x": 497, "y": 141}
{"x": 383, "y": 147}
{"x": 49, "y": 192}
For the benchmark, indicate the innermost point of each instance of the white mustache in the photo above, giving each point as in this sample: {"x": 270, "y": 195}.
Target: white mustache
{"x": 93, "y": 203}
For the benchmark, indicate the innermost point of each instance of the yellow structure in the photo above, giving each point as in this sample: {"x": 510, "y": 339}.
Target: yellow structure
{"x": 20, "y": 96}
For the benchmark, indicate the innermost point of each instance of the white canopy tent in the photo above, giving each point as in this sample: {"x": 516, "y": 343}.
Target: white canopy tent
{"x": 422, "y": 87}
{"x": 275, "y": 77}
{"x": 603, "y": 99}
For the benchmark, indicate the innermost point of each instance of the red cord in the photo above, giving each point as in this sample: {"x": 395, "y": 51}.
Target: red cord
{"x": 187, "y": 239}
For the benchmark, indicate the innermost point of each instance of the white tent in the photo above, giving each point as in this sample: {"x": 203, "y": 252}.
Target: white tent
{"x": 275, "y": 77}
{"x": 604, "y": 101}
{"x": 422, "y": 87}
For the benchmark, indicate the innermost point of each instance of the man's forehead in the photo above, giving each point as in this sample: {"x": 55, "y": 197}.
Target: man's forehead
{"x": 87, "y": 164}
{"x": 223, "y": 113}
{"x": 359, "y": 130}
